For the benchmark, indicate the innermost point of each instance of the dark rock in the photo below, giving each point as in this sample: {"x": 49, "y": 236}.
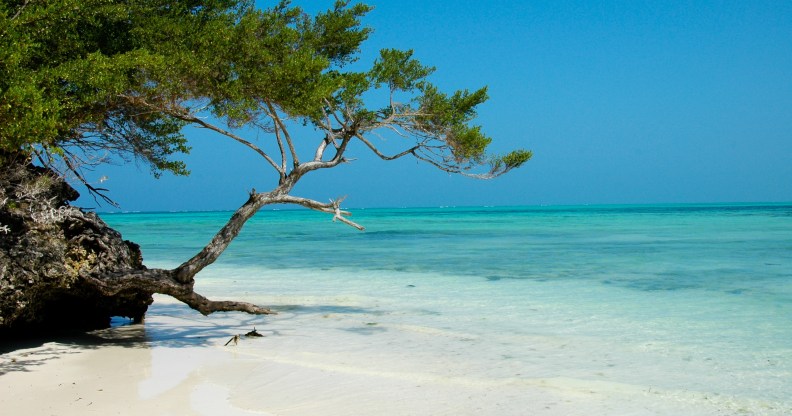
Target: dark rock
{"x": 254, "y": 333}
{"x": 50, "y": 251}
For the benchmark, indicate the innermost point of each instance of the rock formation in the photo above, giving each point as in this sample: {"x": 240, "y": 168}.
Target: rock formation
{"x": 51, "y": 252}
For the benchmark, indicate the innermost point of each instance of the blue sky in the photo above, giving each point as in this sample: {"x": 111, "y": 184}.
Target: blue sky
{"x": 621, "y": 102}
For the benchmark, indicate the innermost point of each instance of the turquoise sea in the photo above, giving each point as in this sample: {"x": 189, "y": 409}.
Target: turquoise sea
{"x": 655, "y": 304}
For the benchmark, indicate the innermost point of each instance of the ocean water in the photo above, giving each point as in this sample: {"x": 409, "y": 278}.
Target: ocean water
{"x": 626, "y": 309}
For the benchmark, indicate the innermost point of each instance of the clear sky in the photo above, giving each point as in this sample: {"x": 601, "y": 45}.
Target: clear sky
{"x": 620, "y": 101}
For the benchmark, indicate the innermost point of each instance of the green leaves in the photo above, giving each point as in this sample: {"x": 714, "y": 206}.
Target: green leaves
{"x": 125, "y": 76}
{"x": 447, "y": 118}
{"x": 398, "y": 70}
{"x": 502, "y": 164}
{"x": 441, "y": 112}
{"x": 516, "y": 158}
{"x": 70, "y": 67}
{"x": 26, "y": 114}
{"x": 337, "y": 34}
{"x": 467, "y": 143}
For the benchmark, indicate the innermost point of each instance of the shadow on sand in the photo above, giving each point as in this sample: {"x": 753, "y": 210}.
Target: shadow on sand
{"x": 188, "y": 328}
{"x": 168, "y": 325}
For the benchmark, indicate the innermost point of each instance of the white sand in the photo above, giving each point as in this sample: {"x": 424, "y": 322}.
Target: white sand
{"x": 316, "y": 364}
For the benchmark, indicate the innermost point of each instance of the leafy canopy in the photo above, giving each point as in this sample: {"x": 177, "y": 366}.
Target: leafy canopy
{"x": 82, "y": 79}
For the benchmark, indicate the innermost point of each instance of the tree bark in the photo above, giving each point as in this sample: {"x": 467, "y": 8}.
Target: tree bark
{"x": 186, "y": 272}
{"x": 162, "y": 281}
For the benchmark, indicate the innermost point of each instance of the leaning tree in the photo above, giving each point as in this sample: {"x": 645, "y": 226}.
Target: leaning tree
{"x": 88, "y": 79}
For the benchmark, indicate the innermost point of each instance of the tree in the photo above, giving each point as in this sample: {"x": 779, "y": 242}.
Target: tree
{"x": 89, "y": 78}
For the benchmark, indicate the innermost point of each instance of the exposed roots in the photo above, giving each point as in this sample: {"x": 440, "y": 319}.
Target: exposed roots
{"x": 161, "y": 281}
{"x": 206, "y": 306}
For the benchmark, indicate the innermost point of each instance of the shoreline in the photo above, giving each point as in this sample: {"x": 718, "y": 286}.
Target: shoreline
{"x": 176, "y": 363}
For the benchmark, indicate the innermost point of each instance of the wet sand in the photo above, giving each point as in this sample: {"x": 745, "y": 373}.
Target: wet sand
{"x": 177, "y": 364}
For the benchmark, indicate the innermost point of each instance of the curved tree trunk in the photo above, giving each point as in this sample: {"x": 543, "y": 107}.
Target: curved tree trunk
{"x": 186, "y": 272}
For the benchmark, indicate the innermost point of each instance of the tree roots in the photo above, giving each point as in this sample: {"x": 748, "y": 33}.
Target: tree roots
{"x": 162, "y": 281}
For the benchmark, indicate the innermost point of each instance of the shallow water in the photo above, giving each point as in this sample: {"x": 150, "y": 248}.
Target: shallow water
{"x": 685, "y": 304}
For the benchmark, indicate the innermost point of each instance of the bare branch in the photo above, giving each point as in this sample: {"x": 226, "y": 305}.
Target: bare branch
{"x": 333, "y": 207}
{"x": 330, "y": 135}
{"x": 278, "y": 122}
{"x": 328, "y": 124}
{"x": 206, "y": 306}
{"x": 319, "y": 164}
{"x": 21, "y": 8}
{"x": 281, "y": 149}
{"x": 186, "y": 272}
{"x": 383, "y": 156}
{"x": 182, "y": 114}
{"x": 457, "y": 170}
{"x": 204, "y": 124}
{"x": 393, "y": 128}
{"x": 321, "y": 149}
{"x": 73, "y": 170}
{"x": 338, "y": 119}
{"x": 162, "y": 281}
{"x": 77, "y": 171}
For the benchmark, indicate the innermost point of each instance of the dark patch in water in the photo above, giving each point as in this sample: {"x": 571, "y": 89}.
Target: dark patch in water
{"x": 327, "y": 309}
{"x": 369, "y": 329}
{"x": 654, "y": 285}
{"x": 663, "y": 287}
{"x": 427, "y": 312}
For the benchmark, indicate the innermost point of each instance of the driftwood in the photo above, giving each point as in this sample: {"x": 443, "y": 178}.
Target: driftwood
{"x": 234, "y": 339}
{"x": 252, "y": 334}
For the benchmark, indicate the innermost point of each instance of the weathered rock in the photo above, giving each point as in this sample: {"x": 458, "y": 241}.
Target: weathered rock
{"x": 49, "y": 249}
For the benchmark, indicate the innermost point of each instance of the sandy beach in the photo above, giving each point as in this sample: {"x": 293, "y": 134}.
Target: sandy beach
{"x": 331, "y": 362}
{"x": 532, "y": 208}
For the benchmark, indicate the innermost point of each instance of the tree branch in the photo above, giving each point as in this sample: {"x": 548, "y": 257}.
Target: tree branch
{"x": 206, "y": 306}
{"x": 315, "y": 165}
{"x": 321, "y": 149}
{"x": 180, "y": 114}
{"x": 457, "y": 170}
{"x": 77, "y": 172}
{"x": 186, "y": 272}
{"x": 278, "y": 122}
{"x": 282, "y": 152}
{"x": 21, "y": 8}
{"x": 73, "y": 170}
{"x": 162, "y": 281}
{"x": 383, "y": 156}
{"x": 333, "y": 207}
{"x": 204, "y": 124}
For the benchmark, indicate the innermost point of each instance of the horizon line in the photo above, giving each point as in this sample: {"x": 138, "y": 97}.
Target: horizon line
{"x": 285, "y": 207}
